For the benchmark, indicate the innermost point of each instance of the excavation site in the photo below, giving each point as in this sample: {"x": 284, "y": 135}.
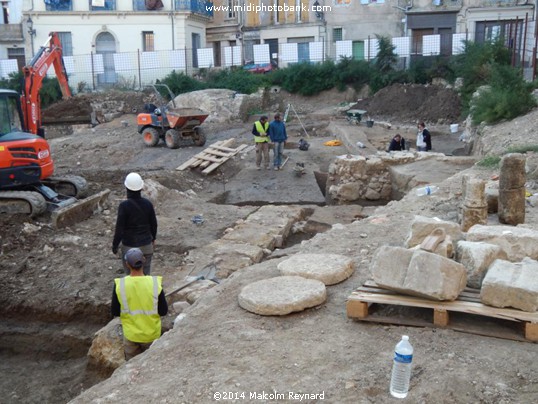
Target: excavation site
{"x": 230, "y": 237}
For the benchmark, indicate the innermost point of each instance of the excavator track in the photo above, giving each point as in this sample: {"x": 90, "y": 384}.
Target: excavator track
{"x": 69, "y": 185}
{"x": 26, "y": 202}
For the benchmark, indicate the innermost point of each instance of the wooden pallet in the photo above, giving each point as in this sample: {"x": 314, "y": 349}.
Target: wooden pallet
{"x": 213, "y": 156}
{"x": 466, "y": 314}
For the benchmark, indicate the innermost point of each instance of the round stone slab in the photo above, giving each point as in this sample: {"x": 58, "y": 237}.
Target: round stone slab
{"x": 282, "y": 295}
{"x": 327, "y": 268}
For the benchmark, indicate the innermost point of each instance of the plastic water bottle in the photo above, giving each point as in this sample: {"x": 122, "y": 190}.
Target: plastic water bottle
{"x": 401, "y": 368}
{"x": 427, "y": 190}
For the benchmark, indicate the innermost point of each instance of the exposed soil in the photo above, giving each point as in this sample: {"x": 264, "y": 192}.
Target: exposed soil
{"x": 412, "y": 103}
{"x": 57, "y": 283}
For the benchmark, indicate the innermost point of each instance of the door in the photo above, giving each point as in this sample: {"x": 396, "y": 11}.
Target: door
{"x": 358, "y": 50}
{"x": 273, "y": 50}
{"x": 105, "y": 45}
{"x": 446, "y": 41}
{"x": 303, "y": 52}
{"x": 195, "y": 46}
{"x": 418, "y": 34}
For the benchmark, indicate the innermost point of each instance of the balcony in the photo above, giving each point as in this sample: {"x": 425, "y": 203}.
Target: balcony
{"x": 59, "y": 5}
{"x": 109, "y": 5}
{"x": 147, "y": 5}
{"x": 202, "y": 7}
{"x": 11, "y": 33}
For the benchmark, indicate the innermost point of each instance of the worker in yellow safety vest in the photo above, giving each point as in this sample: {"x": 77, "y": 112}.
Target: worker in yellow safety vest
{"x": 140, "y": 302}
{"x": 259, "y": 130}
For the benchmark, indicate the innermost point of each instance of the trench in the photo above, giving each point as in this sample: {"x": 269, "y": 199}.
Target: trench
{"x": 43, "y": 360}
{"x": 46, "y": 360}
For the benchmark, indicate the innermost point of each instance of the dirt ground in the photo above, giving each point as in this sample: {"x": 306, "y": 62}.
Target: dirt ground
{"x": 57, "y": 285}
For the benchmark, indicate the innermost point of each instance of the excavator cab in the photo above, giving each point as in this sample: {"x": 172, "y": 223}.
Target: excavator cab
{"x": 25, "y": 158}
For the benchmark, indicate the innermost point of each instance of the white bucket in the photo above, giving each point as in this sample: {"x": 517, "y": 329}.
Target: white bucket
{"x": 454, "y": 128}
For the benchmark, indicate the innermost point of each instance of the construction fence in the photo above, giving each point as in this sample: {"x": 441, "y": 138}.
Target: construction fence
{"x": 137, "y": 69}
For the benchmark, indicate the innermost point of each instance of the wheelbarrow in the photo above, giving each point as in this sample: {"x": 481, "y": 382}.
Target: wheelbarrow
{"x": 354, "y": 116}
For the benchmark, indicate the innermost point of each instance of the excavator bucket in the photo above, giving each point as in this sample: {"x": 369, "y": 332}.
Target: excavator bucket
{"x": 80, "y": 210}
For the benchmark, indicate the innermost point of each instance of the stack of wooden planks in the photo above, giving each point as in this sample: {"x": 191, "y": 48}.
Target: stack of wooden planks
{"x": 213, "y": 156}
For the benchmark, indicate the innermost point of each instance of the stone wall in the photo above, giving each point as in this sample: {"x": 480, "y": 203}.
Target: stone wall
{"x": 356, "y": 178}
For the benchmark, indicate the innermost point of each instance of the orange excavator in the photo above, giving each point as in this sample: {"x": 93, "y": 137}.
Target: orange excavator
{"x": 27, "y": 184}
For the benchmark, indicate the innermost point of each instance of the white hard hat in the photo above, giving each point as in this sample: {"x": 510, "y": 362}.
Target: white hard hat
{"x": 134, "y": 182}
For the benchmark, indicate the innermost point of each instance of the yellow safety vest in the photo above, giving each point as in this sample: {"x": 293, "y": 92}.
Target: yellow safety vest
{"x": 139, "y": 300}
{"x": 261, "y": 129}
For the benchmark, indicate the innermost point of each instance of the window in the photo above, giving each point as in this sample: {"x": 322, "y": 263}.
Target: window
{"x": 231, "y": 10}
{"x": 102, "y": 5}
{"x": 148, "y": 41}
{"x": 67, "y": 43}
{"x": 10, "y": 119}
{"x": 337, "y": 34}
{"x": 18, "y": 55}
{"x": 59, "y": 5}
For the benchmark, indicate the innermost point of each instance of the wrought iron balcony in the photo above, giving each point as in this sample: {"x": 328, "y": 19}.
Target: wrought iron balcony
{"x": 110, "y": 5}
{"x": 202, "y": 7}
{"x": 59, "y": 5}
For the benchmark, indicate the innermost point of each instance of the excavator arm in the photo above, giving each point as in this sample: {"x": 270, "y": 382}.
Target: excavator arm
{"x": 50, "y": 54}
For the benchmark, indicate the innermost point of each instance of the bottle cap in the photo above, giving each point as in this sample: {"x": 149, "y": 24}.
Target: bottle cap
{"x": 405, "y": 337}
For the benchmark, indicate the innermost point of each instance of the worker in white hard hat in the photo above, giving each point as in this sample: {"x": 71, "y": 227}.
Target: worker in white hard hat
{"x": 136, "y": 224}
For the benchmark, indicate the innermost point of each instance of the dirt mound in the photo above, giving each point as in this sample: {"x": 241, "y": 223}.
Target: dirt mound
{"x": 78, "y": 109}
{"x": 413, "y": 103}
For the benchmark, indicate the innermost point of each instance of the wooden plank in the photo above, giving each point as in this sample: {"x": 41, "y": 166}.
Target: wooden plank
{"x": 357, "y": 309}
{"x": 440, "y": 318}
{"x": 210, "y": 158}
{"x": 215, "y": 152}
{"x": 214, "y": 166}
{"x": 531, "y": 331}
{"x": 228, "y": 149}
{"x": 195, "y": 160}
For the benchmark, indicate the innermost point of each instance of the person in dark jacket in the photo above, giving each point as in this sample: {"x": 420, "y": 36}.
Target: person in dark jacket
{"x": 397, "y": 143}
{"x": 277, "y": 134}
{"x": 136, "y": 224}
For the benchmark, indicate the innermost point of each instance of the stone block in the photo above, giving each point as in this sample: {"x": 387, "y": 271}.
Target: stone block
{"x": 418, "y": 273}
{"x": 512, "y": 171}
{"x": 509, "y": 284}
{"x": 476, "y": 257}
{"x": 511, "y": 206}
{"x": 472, "y": 216}
{"x": 475, "y": 195}
{"x": 282, "y": 295}
{"x": 422, "y": 226}
{"x": 327, "y": 268}
{"x": 106, "y": 352}
{"x": 516, "y": 242}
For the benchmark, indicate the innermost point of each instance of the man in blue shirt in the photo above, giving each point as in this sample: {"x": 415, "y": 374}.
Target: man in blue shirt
{"x": 278, "y": 135}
